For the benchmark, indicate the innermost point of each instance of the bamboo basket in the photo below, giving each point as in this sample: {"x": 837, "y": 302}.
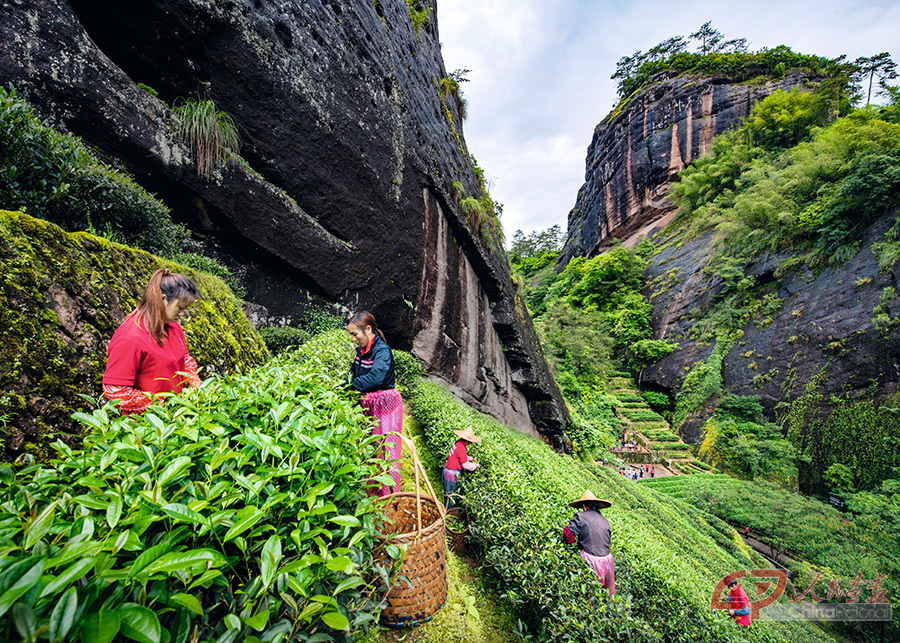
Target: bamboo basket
{"x": 457, "y": 538}
{"x": 418, "y": 523}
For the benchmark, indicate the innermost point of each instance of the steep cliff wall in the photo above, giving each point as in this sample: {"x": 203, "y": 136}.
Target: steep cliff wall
{"x": 638, "y": 150}
{"x": 349, "y": 153}
{"x": 823, "y": 322}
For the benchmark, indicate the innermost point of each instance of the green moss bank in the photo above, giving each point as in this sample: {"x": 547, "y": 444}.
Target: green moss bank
{"x": 62, "y": 295}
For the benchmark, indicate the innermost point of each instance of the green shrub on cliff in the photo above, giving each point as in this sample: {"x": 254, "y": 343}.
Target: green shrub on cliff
{"x": 210, "y": 133}
{"x": 818, "y": 195}
{"x": 737, "y": 66}
{"x": 62, "y": 295}
{"x": 54, "y": 176}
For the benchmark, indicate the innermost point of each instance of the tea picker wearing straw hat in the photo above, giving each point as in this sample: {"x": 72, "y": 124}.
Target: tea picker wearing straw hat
{"x": 457, "y": 460}
{"x": 593, "y": 534}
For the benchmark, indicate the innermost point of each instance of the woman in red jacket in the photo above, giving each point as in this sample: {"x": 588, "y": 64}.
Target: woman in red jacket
{"x": 457, "y": 460}
{"x": 148, "y": 353}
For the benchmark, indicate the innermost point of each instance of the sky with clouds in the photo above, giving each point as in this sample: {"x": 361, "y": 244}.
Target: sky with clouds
{"x": 540, "y": 74}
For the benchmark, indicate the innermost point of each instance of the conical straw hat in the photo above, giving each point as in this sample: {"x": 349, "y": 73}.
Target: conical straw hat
{"x": 468, "y": 434}
{"x": 588, "y": 496}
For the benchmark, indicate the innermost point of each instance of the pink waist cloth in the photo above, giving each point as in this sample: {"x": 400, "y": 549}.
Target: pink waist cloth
{"x": 387, "y": 409}
{"x": 604, "y": 567}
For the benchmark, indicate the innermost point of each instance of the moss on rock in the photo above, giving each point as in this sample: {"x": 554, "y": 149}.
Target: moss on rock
{"x": 62, "y": 295}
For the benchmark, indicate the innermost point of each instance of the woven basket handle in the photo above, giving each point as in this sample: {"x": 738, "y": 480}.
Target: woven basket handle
{"x": 419, "y": 470}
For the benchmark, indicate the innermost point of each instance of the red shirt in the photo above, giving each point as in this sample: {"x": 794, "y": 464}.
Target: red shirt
{"x": 457, "y": 456}
{"x": 135, "y": 359}
{"x": 738, "y": 600}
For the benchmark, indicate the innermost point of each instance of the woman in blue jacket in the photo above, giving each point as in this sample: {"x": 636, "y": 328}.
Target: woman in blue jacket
{"x": 372, "y": 373}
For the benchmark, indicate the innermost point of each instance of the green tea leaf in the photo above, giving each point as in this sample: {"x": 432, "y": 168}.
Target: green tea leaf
{"x": 29, "y": 573}
{"x": 259, "y": 621}
{"x": 74, "y": 550}
{"x": 182, "y": 512}
{"x": 335, "y": 620}
{"x": 68, "y": 576}
{"x": 187, "y": 601}
{"x": 245, "y": 518}
{"x": 100, "y": 627}
{"x": 184, "y": 561}
{"x": 148, "y": 557}
{"x": 91, "y": 502}
{"x": 340, "y": 564}
{"x": 39, "y": 526}
{"x": 90, "y": 420}
{"x": 345, "y": 521}
{"x": 114, "y": 511}
{"x": 232, "y": 622}
{"x": 353, "y": 581}
{"x": 63, "y": 615}
{"x": 140, "y": 623}
{"x": 26, "y": 623}
{"x": 174, "y": 469}
{"x": 270, "y": 558}
{"x": 155, "y": 421}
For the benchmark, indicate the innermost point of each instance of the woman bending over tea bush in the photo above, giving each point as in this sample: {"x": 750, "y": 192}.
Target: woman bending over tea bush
{"x": 148, "y": 353}
{"x": 372, "y": 373}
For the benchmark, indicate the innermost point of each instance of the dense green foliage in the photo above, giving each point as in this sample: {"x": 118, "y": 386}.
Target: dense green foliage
{"x": 818, "y": 195}
{"x": 785, "y": 181}
{"x": 594, "y": 306}
{"x": 56, "y": 177}
{"x": 718, "y": 57}
{"x": 530, "y": 253}
{"x": 592, "y": 319}
{"x": 737, "y": 439}
{"x": 860, "y": 434}
{"x": 841, "y": 545}
{"x": 312, "y": 321}
{"x": 518, "y": 499}
{"x": 62, "y": 296}
{"x": 235, "y": 511}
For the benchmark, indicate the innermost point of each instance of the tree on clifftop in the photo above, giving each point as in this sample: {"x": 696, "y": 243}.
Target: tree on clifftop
{"x": 709, "y": 38}
{"x": 880, "y": 66}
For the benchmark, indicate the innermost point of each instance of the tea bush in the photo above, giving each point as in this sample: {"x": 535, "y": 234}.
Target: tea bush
{"x": 235, "y": 511}
{"x": 808, "y": 528}
{"x": 281, "y": 338}
{"x": 669, "y": 556}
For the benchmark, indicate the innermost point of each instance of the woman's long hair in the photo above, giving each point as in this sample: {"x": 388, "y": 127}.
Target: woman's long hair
{"x": 151, "y": 310}
{"x": 364, "y": 318}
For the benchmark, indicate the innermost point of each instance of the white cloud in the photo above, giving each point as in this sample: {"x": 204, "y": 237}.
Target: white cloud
{"x": 540, "y": 74}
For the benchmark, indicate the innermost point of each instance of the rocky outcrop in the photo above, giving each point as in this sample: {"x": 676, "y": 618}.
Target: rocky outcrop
{"x": 638, "y": 150}
{"x": 344, "y": 193}
{"x": 823, "y": 323}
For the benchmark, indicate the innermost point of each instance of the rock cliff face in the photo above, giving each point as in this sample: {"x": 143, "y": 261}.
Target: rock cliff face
{"x": 349, "y": 154}
{"x": 638, "y": 150}
{"x": 823, "y": 323}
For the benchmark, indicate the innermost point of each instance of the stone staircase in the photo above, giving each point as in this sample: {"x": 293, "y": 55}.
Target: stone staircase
{"x": 655, "y": 440}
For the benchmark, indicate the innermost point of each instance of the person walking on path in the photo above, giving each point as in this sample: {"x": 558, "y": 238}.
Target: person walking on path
{"x": 592, "y": 532}
{"x": 457, "y": 460}
{"x": 148, "y": 353}
{"x": 740, "y": 603}
{"x": 372, "y": 374}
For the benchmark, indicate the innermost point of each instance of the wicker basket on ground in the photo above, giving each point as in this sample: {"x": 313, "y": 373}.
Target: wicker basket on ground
{"x": 459, "y": 527}
{"x": 417, "y": 522}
